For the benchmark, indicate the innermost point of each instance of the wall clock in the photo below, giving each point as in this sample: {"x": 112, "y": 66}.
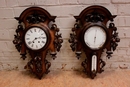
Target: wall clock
{"x": 92, "y": 35}
{"x": 95, "y": 37}
{"x": 36, "y": 38}
{"x": 37, "y": 35}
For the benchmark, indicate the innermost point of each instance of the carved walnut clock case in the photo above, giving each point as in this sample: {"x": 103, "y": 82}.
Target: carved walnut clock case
{"x": 93, "y": 32}
{"x": 37, "y": 35}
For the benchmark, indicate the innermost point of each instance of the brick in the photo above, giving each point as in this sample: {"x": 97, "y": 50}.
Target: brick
{"x": 94, "y": 1}
{"x": 14, "y": 54}
{"x": 66, "y": 59}
{"x": 8, "y": 24}
{"x": 66, "y": 23}
{"x": 66, "y": 53}
{"x": 70, "y": 66}
{"x": 6, "y": 13}
{"x": 1, "y": 54}
{"x": 117, "y": 58}
{"x": 48, "y": 2}
{"x": 112, "y": 65}
{"x": 11, "y": 3}
{"x": 126, "y": 58}
{"x": 122, "y": 51}
{"x": 65, "y": 44}
{"x": 66, "y": 65}
{"x": 112, "y": 8}
{"x": 121, "y": 32}
{"x": 123, "y": 21}
{"x": 121, "y": 1}
{"x": 65, "y": 33}
{"x": 18, "y": 11}
{"x": 2, "y": 3}
{"x": 124, "y": 43}
{"x": 11, "y": 33}
{"x": 64, "y": 11}
{"x": 3, "y": 46}
{"x": 7, "y": 53}
{"x": 69, "y": 2}
{"x": 10, "y": 46}
{"x": 27, "y": 2}
{"x": 123, "y": 9}
{"x": 10, "y": 66}
{"x": 53, "y": 10}
{"x": 4, "y": 35}
{"x": 124, "y": 32}
{"x": 128, "y": 52}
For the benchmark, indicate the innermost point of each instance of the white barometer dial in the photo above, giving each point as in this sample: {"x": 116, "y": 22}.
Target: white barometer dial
{"x": 95, "y": 37}
{"x": 35, "y": 38}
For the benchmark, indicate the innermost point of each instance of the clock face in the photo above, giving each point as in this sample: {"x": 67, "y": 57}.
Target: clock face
{"x": 35, "y": 38}
{"x": 95, "y": 37}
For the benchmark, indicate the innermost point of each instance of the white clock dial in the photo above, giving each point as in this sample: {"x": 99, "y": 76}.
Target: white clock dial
{"x": 35, "y": 38}
{"x": 95, "y": 37}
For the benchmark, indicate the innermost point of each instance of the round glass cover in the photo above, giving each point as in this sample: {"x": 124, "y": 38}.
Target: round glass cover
{"x": 35, "y": 38}
{"x": 95, "y": 37}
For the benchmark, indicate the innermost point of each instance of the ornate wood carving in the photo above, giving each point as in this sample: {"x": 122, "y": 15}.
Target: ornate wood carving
{"x": 37, "y": 17}
{"x": 94, "y": 16}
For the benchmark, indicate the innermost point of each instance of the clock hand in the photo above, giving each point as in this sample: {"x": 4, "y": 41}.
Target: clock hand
{"x": 95, "y": 36}
{"x": 37, "y": 38}
{"x": 34, "y": 39}
{"x": 41, "y": 37}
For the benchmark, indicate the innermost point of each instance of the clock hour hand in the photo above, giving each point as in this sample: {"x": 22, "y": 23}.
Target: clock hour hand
{"x": 34, "y": 39}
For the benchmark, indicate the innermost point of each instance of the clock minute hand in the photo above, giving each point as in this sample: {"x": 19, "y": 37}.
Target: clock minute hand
{"x": 36, "y": 38}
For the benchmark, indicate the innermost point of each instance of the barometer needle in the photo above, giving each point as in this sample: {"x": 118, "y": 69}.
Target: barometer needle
{"x": 95, "y": 36}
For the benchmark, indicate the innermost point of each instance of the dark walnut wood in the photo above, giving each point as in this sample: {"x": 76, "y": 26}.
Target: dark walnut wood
{"x": 37, "y": 17}
{"x": 94, "y": 16}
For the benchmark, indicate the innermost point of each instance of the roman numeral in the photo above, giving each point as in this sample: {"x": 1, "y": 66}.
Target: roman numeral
{"x": 32, "y": 45}
{"x": 40, "y": 45}
{"x": 31, "y": 31}
{"x": 28, "y": 34}
{"x": 39, "y": 30}
{"x": 27, "y": 38}
{"x": 43, "y": 42}
{"x": 42, "y": 34}
{"x": 36, "y": 46}
{"x": 29, "y": 42}
{"x": 34, "y": 30}
{"x": 43, "y": 37}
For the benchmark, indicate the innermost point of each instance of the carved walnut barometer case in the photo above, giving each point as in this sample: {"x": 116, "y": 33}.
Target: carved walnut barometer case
{"x": 37, "y": 35}
{"x": 93, "y": 32}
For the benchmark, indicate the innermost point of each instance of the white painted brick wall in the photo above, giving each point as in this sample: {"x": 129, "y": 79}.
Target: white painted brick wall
{"x": 2, "y": 3}
{"x": 64, "y": 10}
{"x": 121, "y": 1}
